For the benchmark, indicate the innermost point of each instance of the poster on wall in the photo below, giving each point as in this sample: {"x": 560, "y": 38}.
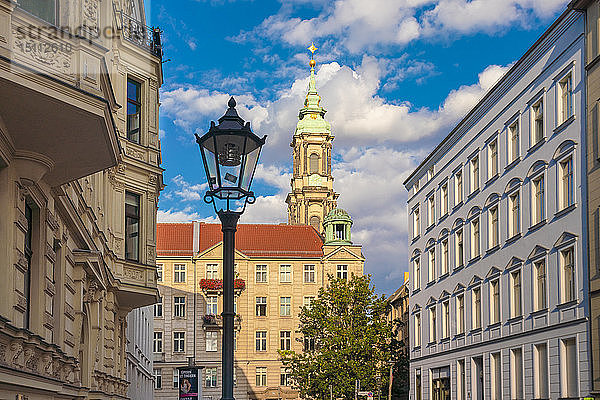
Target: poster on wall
{"x": 189, "y": 379}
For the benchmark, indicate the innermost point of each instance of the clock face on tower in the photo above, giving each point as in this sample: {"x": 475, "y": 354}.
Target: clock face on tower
{"x": 315, "y": 180}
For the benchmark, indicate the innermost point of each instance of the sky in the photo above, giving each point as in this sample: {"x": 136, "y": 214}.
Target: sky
{"x": 394, "y": 75}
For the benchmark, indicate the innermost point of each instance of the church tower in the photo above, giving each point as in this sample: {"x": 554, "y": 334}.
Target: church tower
{"x": 312, "y": 196}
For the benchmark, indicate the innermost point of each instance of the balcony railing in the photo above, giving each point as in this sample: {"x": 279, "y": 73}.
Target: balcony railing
{"x": 141, "y": 35}
{"x": 216, "y": 321}
{"x": 216, "y": 286}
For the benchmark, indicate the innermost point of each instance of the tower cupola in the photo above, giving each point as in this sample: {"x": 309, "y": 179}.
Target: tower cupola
{"x": 337, "y": 226}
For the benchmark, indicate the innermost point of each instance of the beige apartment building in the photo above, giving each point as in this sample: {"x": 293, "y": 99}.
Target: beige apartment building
{"x": 79, "y": 185}
{"x": 399, "y": 312}
{"x": 279, "y": 268}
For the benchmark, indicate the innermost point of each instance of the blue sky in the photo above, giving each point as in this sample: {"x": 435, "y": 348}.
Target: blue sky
{"x": 394, "y": 75}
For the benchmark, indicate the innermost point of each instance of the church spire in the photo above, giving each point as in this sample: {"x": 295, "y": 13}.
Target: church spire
{"x": 312, "y": 196}
{"x": 312, "y": 103}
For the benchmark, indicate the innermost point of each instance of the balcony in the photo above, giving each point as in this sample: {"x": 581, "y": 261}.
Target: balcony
{"x": 56, "y": 117}
{"x": 216, "y": 321}
{"x": 141, "y": 35}
{"x": 215, "y": 286}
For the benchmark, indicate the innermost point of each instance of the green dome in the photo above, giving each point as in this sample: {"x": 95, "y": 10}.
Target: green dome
{"x": 337, "y": 214}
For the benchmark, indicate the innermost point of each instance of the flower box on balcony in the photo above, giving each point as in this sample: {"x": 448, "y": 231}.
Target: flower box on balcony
{"x": 216, "y": 285}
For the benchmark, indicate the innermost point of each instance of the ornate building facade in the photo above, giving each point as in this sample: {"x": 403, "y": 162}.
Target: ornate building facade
{"x": 312, "y": 195}
{"x": 498, "y": 244}
{"x": 279, "y": 268}
{"x": 79, "y": 185}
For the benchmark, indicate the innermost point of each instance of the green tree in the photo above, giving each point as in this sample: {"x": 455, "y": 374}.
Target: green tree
{"x": 347, "y": 337}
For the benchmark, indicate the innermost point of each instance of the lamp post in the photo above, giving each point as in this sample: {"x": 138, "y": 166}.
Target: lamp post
{"x": 230, "y": 152}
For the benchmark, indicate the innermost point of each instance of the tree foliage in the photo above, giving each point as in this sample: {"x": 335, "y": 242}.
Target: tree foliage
{"x": 353, "y": 341}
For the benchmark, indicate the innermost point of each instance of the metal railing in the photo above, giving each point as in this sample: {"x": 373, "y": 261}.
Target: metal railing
{"x": 141, "y": 35}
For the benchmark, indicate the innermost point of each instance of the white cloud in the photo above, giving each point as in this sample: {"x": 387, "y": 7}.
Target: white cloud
{"x": 187, "y": 191}
{"x": 357, "y": 25}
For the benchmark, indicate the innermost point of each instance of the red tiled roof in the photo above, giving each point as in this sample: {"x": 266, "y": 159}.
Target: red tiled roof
{"x": 174, "y": 239}
{"x": 262, "y": 240}
{"x": 255, "y": 240}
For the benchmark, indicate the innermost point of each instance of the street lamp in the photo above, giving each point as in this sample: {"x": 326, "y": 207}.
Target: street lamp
{"x": 230, "y": 153}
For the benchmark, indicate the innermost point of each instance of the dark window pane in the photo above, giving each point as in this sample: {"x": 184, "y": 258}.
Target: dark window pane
{"x": 133, "y": 110}
{"x": 44, "y": 9}
{"x": 132, "y": 226}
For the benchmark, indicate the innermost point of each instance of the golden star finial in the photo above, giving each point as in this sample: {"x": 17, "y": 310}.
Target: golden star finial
{"x": 312, "y": 49}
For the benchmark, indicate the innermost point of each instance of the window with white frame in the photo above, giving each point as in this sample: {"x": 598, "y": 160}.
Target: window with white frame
{"x": 568, "y": 369}
{"x": 175, "y": 378}
{"x": 285, "y": 340}
{"x": 458, "y": 187}
{"x": 158, "y": 308}
{"x": 212, "y": 271}
{"x": 444, "y": 199}
{"x": 494, "y": 229}
{"x": 446, "y": 319}
{"x": 308, "y": 301}
{"x": 261, "y": 273}
{"x": 261, "y": 376}
{"x": 285, "y": 306}
{"x": 417, "y": 272}
{"x": 430, "y": 173}
{"x": 459, "y": 246}
{"x": 540, "y": 285}
{"x": 538, "y": 200}
{"x": 475, "y": 238}
{"x": 418, "y": 385}
{"x": 565, "y": 93}
{"x": 342, "y": 271}
{"x": 432, "y": 325}
{"x": 261, "y": 306}
{"x": 285, "y": 377}
{"x": 210, "y": 377}
{"x": 179, "y": 306}
{"x": 431, "y": 271}
{"x": 461, "y": 380}
{"x": 493, "y": 158}
{"x": 566, "y": 182}
{"x": 309, "y": 274}
{"x": 211, "y": 340}
{"x": 496, "y": 376}
{"x": 476, "y": 307}
{"x": 285, "y": 273}
{"x": 416, "y": 222}
{"x": 513, "y": 142}
{"x": 431, "y": 210}
{"x": 212, "y": 305}
{"x": 516, "y": 372}
{"x": 515, "y": 294}
{"x": 261, "y": 340}
{"x": 417, "y": 329}
{"x": 537, "y": 122}
{"x": 157, "y": 342}
{"x": 179, "y": 273}
{"x": 514, "y": 214}
{"x": 460, "y": 314}
{"x": 444, "y": 260}
{"x": 178, "y": 342}
{"x": 157, "y": 378}
{"x": 567, "y": 261}
{"x": 541, "y": 378}
{"x": 474, "y": 174}
{"x": 495, "y": 301}
{"x": 159, "y": 272}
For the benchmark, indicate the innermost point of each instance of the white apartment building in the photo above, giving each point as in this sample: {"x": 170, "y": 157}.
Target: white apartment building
{"x": 497, "y": 243}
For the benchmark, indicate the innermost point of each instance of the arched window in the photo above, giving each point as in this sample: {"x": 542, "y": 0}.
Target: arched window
{"x": 313, "y": 163}
{"x": 315, "y": 222}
